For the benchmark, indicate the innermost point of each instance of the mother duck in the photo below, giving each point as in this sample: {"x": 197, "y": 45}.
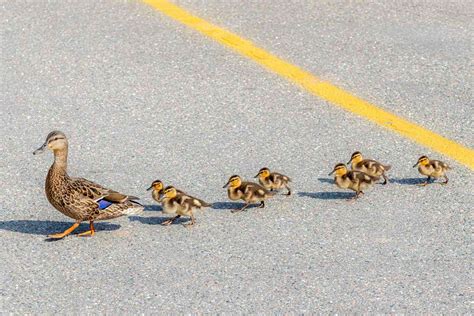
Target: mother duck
{"x": 78, "y": 198}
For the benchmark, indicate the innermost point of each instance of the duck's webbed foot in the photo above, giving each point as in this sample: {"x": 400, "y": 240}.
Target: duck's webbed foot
{"x": 240, "y": 209}
{"x": 64, "y": 233}
{"x": 90, "y": 232}
{"x": 424, "y": 184}
{"x": 446, "y": 180}
{"x": 170, "y": 221}
{"x": 193, "y": 221}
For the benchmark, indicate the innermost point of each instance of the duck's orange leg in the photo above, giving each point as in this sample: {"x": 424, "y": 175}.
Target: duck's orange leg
{"x": 90, "y": 232}
{"x": 64, "y": 233}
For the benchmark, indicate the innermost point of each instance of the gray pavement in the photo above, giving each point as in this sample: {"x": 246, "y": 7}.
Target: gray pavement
{"x": 142, "y": 97}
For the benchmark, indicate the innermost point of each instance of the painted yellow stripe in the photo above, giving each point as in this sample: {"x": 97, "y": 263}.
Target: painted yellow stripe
{"x": 318, "y": 87}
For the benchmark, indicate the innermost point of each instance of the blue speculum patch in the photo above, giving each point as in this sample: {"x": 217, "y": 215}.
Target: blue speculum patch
{"x": 103, "y": 204}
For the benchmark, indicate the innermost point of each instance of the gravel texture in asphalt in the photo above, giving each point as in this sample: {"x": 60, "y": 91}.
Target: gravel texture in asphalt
{"x": 142, "y": 97}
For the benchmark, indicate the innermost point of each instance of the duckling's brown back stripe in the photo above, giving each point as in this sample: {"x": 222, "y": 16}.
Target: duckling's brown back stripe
{"x": 319, "y": 88}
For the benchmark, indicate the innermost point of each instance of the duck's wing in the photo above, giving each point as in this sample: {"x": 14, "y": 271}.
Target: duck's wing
{"x": 97, "y": 192}
{"x": 280, "y": 176}
{"x": 250, "y": 188}
{"x": 192, "y": 201}
{"x": 359, "y": 176}
{"x": 439, "y": 165}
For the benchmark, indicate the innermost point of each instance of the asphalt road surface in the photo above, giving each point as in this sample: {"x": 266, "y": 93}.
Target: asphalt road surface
{"x": 142, "y": 97}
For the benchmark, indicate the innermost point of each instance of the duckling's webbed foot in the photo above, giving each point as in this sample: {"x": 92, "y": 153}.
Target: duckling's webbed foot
{"x": 446, "y": 180}
{"x": 289, "y": 191}
{"x": 262, "y": 204}
{"x": 64, "y": 233}
{"x": 356, "y": 196}
{"x": 193, "y": 221}
{"x": 385, "y": 179}
{"x": 424, "y": 184}
{"x": 90, "y": 232}
{"x": 170, "y": 221}
{"x": 240, "y": 209}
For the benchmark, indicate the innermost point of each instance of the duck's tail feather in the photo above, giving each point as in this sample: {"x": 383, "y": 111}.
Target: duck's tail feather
{"x": 133, "y": 209}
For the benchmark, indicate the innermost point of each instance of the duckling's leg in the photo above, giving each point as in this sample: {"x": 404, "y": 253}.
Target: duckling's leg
{"x": 262, "y": 204}
{"x": 240, "y": 209}
{"x": 170, "y": 221}
{"x": 193, "y": 221}
{"x": 90, "y": 232}
{"x": 426, "y": 182}
{"x": 445, "y": 182}
{"x": 289, "y": 190}
{"x": 385, "y": 179}
{"x": 356, "y": 196}
{"x": 65, "y": 233}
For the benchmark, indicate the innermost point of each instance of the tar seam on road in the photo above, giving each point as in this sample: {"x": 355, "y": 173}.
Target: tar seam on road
{"x": 317, "y": 87}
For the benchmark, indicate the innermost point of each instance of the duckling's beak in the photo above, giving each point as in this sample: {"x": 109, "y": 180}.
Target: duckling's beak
{"x": 41, "y": 149}
{"x": 225, "y": 185}
{"x": 151, "y": 186}
{"x": 257, "y": 175}
{"x": 416, "y": 164}
{"x": 349, "y": 161}
{"x": 331, "y": 172}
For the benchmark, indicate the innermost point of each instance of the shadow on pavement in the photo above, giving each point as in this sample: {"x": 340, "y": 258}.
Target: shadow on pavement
{"x": 409, "y": 181}
{"x": 36, "y": 227}
{"x": 230, "y": 205}
{"x": 157, "y": 220}
{"x": 153, "y": 207}
{"x": 326, "y": 180}
{"x": 327, "y": 195}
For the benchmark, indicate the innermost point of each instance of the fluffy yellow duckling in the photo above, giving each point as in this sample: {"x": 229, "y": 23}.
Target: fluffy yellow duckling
{"x": 273, "y": 180}
{"x": 158, "y": 189}
{"x": 432, "y": 169}
{"x": 249, "y": 192}
{"x": 371, "y": 167}
{"x": 354, "y": 180}
{"x": 180, "y": 204}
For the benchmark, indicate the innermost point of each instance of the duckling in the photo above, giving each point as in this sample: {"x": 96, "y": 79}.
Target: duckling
{"x": 433, "y": 169}
{"x": 371, "y": 167}
{"x": 354, "y": 180}
{"x": 248, "y": 191}
{"x": 273, "y": 180}
{"x": 180, "y": 204}
{"x": 78, "y": 198}
{"x": 159, "y": 189}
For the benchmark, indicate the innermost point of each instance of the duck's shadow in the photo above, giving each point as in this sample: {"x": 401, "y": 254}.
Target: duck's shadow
{"x": 327, "y": 195}
{"x": 157, "y": 220}
{"x": 326, "y": 180}
{"x": 409, "y": 181}
{"x": 153, "y": 207}
{"x": 36, "y": 227}
{"x": 231, "y": 205}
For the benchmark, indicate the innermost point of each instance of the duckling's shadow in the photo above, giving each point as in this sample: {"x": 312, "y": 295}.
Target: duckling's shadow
{"x": 230, "y": 205}
{"x": 157, "y": 220}
{"x": 409, "y": 181}
{"x": 327, "y": 195}
{"x": 326, "y": 180}
{"x": 34, "y": 227}
{"x": 153, "y": 207}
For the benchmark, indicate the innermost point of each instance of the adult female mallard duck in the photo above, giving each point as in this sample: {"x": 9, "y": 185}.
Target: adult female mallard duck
{"x": 78, "y": 198}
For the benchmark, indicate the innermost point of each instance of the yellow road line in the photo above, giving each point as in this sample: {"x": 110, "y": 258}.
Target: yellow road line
{"x": 318, "y": 87}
